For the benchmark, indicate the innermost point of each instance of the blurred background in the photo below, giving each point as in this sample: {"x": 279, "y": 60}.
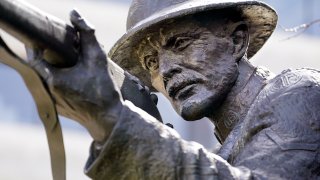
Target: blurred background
{"x": 23, "y": 148}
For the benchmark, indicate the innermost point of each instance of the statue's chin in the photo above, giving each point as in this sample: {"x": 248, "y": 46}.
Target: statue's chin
{"x": 202, "y": 104}
{"x": 191, "y": 113}
{"x": 196, "y": 108}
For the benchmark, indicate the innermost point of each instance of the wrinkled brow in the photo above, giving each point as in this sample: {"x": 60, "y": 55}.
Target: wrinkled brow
{"x": 154, "y": 42}
{"x": 188, "y": 32}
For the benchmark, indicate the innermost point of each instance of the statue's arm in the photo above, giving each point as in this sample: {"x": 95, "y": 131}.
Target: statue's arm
{"x": 142, "y": 148}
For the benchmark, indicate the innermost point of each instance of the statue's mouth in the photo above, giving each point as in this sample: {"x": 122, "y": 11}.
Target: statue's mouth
{"x": 182, "y": 89}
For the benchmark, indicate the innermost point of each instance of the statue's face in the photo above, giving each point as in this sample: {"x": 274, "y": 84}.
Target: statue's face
{"x": 191, "y": 65}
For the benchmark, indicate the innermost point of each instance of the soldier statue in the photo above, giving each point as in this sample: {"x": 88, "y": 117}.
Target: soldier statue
{"x": 197, "y": 54}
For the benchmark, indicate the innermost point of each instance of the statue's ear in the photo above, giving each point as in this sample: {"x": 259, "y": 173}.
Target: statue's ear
{"x": 240, "y": 37}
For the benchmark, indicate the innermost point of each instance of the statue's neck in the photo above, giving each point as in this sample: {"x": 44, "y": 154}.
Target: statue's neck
{"x": 249, "y": 83}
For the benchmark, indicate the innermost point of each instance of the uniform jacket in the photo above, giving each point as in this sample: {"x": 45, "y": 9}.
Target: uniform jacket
{"x": 279, "y": 138}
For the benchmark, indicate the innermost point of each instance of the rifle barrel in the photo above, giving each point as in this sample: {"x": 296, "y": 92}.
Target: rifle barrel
{"x": 37, "y": 29}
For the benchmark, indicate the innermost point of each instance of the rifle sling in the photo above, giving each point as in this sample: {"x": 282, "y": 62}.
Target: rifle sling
{"x": 46, "y": 109}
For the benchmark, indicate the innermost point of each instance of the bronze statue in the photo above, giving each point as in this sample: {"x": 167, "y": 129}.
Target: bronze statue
{"x": 197, "y": 54}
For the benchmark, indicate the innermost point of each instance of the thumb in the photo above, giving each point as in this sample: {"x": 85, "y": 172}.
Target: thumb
{"x": 35, "y": 60}
{"x": 86, "y": 31}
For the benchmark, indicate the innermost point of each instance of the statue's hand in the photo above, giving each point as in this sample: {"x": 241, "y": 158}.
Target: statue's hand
{"x": 84, "y": 92}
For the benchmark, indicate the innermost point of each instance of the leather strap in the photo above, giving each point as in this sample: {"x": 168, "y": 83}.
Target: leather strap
{"x": 46, "y": 109}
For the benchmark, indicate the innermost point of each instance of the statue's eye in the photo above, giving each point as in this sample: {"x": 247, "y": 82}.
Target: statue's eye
{"x": 182, "y": 42}
{"x": 151, "y": 62}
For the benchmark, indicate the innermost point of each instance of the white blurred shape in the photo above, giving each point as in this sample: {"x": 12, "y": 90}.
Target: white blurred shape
{"x": 24, "y": 153}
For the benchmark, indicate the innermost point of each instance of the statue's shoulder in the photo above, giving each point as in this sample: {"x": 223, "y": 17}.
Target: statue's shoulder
{"x": 306, "y": 73}
{"x": 299, "y": 83}
{"x": 291, "y": 79}
{"x": 295, "y": 96}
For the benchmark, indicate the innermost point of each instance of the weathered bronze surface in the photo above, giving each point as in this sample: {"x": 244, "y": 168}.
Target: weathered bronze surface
{"x": 196, "y": 54}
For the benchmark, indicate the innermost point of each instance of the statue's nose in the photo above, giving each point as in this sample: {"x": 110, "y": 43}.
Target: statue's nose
{"x": 168, "y": 67}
